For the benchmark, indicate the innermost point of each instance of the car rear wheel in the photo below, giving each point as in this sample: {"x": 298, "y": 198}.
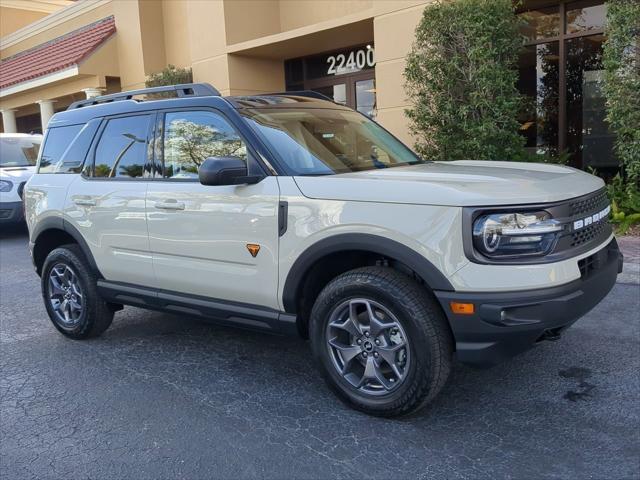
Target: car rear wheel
{"x": 70, "y": 294}
{"x": 381, "y": 341}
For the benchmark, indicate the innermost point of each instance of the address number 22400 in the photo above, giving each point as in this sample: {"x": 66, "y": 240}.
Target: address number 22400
{"x": 354, "y": 60}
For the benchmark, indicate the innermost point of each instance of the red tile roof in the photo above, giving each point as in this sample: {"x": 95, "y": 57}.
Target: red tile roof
{"x": 57, "y": 54}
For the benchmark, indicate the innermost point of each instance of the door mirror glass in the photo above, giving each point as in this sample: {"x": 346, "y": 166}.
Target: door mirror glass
{"x": 225, "y": 171}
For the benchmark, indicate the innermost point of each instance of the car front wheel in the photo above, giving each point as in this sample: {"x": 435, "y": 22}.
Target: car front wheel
{"x": 381, "y": 340}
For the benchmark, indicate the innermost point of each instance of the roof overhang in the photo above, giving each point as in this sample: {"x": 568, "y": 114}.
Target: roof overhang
{"x": 40, "y": 81}
{"x": 307, "y": 40}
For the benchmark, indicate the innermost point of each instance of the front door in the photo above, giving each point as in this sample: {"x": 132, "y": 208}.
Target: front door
{"x": 203, "y": 238}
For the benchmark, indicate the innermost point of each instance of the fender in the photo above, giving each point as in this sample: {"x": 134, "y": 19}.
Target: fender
{"x": 58, "y": 223}
{"x": 363, "y": 242}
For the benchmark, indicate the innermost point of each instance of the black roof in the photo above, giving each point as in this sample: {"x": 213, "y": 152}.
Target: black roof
{"x": 187, "y": 95}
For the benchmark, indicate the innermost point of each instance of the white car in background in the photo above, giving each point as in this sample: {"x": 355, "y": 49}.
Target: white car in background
{"x": 18, "y": 155}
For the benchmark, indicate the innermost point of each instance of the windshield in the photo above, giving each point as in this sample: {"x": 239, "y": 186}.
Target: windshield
{"x": 325, "y": 141}
{"x": 19, "y": 151}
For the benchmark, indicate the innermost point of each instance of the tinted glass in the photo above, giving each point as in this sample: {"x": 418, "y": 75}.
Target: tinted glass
{"x": 19, "y": 151}
{"x": 585, "y": 16}
{"x": 191, "y": 137}
{"x": 122, "y": 150}
{"x": 323, "y": 142}
{"x": 588, "y": 136}
{"x": 541, "y": 23}
{"x": 366, "y": 97}
{"x": 337, "y": 93}
{"x": 539, "y": 81}
{"x": 65, "y": 148}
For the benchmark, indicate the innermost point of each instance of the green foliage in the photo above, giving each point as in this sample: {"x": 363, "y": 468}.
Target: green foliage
{"x": 171, "y": 75}
{"x": 625, "y": 204}
{"x": 461, "y": 78}
{"x": 621, "y": 58}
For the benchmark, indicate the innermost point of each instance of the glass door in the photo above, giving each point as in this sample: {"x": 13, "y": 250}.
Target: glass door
{"x": 356, "y": 91}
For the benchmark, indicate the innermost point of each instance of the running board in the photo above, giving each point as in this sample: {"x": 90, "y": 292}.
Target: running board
{"x": 219, "y": 311}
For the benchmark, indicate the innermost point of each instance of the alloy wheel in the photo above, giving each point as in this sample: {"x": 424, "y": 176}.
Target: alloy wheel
{"x": 368, "y": 346}
{"x": 65, "y": 294}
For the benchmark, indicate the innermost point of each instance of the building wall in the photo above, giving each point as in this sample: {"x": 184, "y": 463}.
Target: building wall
{"x": 12, "y": 19}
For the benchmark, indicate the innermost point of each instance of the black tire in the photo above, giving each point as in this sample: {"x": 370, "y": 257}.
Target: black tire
{"x": 95, "y": 315}
{"x": 428, "y": 336}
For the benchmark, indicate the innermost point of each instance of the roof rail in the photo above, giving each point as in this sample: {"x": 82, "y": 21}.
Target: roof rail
{"x": 182, "y": 90}
{"x": 304, "y": 93}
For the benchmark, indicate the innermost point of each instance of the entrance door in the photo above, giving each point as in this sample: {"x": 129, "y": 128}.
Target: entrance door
{"x": 356, "y": 91}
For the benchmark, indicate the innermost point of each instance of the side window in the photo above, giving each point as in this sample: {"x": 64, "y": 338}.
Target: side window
{"x": 122, "y": 149}
{"x": 191, "y": 137}
{"x": 55, "y": 145}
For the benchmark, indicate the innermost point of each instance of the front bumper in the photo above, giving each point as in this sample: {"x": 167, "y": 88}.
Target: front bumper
{"x": 11, "y": 212}
{"x": 506, "y": 323}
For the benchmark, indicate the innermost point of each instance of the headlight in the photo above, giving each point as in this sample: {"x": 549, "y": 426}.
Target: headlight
{"x": 5, "y": 186}
{"x": 503, "y": 235}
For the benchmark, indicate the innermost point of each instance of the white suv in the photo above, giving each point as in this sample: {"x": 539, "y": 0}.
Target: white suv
{"x": 18, "y": 154}
{"x": 292, "y": 214}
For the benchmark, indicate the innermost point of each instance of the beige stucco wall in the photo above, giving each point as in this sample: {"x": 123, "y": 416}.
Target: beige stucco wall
{"x": 394, "y": 34}
{"x": 12, "y": 19}
{"x": 296, "y": 14}
{"x": 176, "y": 32}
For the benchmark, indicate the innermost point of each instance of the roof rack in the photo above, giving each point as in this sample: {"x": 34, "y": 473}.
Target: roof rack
{"x": 182, "y": 90}
{"x": 304, "y": 93}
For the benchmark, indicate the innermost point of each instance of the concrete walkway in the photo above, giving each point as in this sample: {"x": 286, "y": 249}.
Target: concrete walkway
{"x": 630, "y": 247}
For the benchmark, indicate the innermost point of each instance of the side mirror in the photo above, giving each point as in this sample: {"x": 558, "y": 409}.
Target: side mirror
{"x": 225, "y": 171}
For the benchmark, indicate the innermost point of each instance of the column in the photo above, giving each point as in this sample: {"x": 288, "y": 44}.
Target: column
{"x": 92, "y": 92}
{"x": 46, "y": 112}
{"x": 9, "y": 121}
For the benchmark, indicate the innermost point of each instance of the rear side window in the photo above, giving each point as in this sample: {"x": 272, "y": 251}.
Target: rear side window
{"x": 65, "y": 148}
{"x": 122, "y": 148}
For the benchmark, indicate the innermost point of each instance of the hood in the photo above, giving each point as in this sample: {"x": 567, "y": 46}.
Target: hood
{"x": 460, "y": 183}
{"x": 17, "y": 174}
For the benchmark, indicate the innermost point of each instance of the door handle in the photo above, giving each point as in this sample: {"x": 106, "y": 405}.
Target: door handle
{"x": 85, "y": 202}
{"x": 170, "y": 205}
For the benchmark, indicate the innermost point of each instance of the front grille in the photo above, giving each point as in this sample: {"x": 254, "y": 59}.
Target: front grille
{"x": 594, "y": 203}
{"x": 589, "y": 233}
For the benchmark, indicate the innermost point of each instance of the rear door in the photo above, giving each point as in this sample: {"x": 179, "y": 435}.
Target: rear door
{"x": 200, "y": 236}
{"x": 107, "y": 203}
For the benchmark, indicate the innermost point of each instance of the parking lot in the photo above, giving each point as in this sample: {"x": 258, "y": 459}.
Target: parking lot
{"x": 160, "y": 396}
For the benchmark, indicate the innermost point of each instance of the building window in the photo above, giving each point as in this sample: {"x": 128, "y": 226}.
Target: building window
{"x": 561, "y": 73}
{"x": 345, "y": 76}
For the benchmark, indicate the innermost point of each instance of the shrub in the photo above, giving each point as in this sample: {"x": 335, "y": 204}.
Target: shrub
{"x": 171, "y": 75}
{"x": 461, "y": 79}
{"x": 625, "y": 204}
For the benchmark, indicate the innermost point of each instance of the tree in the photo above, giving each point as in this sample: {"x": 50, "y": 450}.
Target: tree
{"x": 621, "y": 58}
{"x": 461, "y": 79}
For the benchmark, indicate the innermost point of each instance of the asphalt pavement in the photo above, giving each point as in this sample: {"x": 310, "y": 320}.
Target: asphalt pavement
{"x": 164, "y": 397}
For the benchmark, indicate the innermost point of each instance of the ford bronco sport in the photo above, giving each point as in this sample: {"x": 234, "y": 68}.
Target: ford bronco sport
{"x": 292, "y": 214}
